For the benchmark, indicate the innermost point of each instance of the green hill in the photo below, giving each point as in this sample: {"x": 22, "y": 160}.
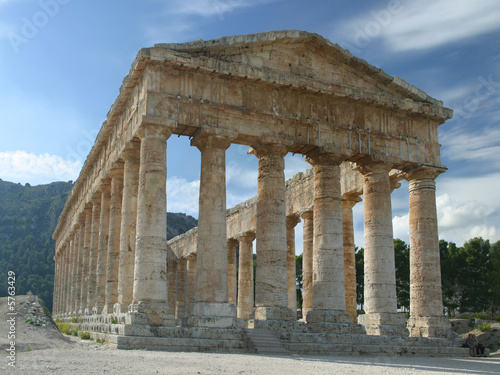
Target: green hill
{"x": 28, "y": 217}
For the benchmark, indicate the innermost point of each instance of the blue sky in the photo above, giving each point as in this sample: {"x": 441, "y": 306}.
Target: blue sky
{"x": 62, "y": 63}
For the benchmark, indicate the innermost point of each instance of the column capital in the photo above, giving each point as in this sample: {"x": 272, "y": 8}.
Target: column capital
{"x": 208, "y": 137}
{"x": 131, "y": 151}
{"x": 268, "y": 149}
{"x": 96, "y": 198}
{"x": 154, "y": 131}
{"x": 105, "y": 185}
{"x": 422, "y": 172}
{"x": 350, "y": 200}
{"x": 232, "y": 242}
{"x": 292, "y": 221}
{"x": 371, "y": 166}
{"x": 326, "y": 156}
{"x": 309, "y": 214}
{"x": 247, "y": 236}
{"x": 88, "y": 208}
{"x": 116, "y": 170}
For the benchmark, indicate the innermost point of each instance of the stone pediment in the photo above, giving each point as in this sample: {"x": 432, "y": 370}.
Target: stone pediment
{"x": 300, "y": 58}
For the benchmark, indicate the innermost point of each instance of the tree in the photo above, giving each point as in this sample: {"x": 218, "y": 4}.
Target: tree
{"x": 402, "y": 261}
{"x": 360, "y": 276}
{"x": 450, "y": 262}
{"x": 494, "y": 277}
{"x": 473, "y": 275}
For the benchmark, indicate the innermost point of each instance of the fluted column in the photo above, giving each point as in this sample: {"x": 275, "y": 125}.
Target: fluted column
{"x": 85, "y": 258}
{"x": 131, "y": 156}
{"x": 291, "y": 222}
{"x": 74, "y": 270}
{"x": 245, "y": 277}
{"x": 79, "y": 267}
{"x": 211, "y": 295}
{"x": 55, "y": 297}
{"x": 190, "y": 283}
{"x": 307, "y": 262}
{"x": 328, "y": 253}
{"x": 150, "y": 285}
{"x": 102, "y": 252}
{"x": 171, "y": 288}
{"x": 348, "y": 203}
{"x": 180, "y": 286}
{"x": 231, "y": 270}
{"x": 93, "y": 251}
{"x": 426, "y": 304}
{"x": 113, "y": 257}
{"x": 271, "y": 289}
{"x": 381, "y": 316}
{"x": 67, "y": 263}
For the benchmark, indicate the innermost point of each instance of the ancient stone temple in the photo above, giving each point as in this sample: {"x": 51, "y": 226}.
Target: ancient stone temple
{"x": 282, "y": 92}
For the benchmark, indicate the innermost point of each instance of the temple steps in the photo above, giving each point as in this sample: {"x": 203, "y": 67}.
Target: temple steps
{"x": 263, "y": 341}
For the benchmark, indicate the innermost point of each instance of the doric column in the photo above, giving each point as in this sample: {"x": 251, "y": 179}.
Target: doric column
{"x": 307, "y": 262}
{"x": 79, "y": 267}
{"x": 85, "y": 258}
{"x": 381, "y": 316}
{"x": 291, "y": 222}
{"x": 328, "y": 253}
{"x": 55, "y": 297}
{"x": 93, "y": 251}
{"x": 271, "y": 289}
{"x": 190, "y": 283}
{"x": 115, "y": 222}
{"x": 245, "y": 277}
{"x": 426, "y": 304}
{"x": 211, "y": 305}
{"x": 74, "y": 269}
{"x": 102, "y": 252}
{"x": 348, "y": 203}
{"x": 67, "y": 275}
{"x": 180, "y": 286}
{"x": 150, "y": 284}
{"x": 131, "y": 156}
{"x": 65, "y": 296}
{"x": 231, "y": 270}
{"x": 171, "y": 286}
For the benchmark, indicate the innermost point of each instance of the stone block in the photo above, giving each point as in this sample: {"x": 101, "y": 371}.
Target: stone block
{"x": 213, "y": 309}
{"x": 274, "y": 313}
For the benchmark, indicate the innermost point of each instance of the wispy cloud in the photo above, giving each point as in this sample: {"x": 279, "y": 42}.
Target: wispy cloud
{"x": 183, "y": 195}
{"x": 406, "y": 25}
{"x": 21, "y": 166}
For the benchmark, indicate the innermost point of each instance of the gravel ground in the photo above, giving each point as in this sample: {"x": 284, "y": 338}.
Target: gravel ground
{"x": 53, "y": 353}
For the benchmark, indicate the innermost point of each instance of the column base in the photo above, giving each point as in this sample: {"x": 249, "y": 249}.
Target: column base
{"x": 107, "y": 309}
{"x": 430, "y": 326}
{"x": 384, "y": 324}
{"x": 97, "y": 310}
{"x": 328, "y": 316}
{"x": 157, "y": 313}
{"x": 333, "y": 321}
{"x": 88, "y": 311}
{"x": 212, "y": 315}
{"x": 274, "y": 313}
{"x": 121, "y": 308}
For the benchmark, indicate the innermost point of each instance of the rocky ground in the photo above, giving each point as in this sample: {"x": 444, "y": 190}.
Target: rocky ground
{"x": 42, "y": 350}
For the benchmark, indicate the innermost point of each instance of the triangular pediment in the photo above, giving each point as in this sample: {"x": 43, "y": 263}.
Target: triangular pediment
{"x": 302, "y": 54}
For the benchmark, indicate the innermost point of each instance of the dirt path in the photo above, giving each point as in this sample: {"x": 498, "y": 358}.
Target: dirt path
{"x": 54, "y": 353}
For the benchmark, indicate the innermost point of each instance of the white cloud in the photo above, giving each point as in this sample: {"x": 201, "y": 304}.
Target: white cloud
{"x": 401, "y": 227}
{"x": 295, "y": 164}
{"x": 479, "y": 146}
{"x": 210, "y": 8}
{"x": 183, "y": 195}
{"x": 21, "y": 166}
{"x": 414, "y": 25}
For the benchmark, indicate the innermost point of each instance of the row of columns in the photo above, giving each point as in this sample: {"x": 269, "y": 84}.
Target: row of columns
{"x": 114, "y": 261}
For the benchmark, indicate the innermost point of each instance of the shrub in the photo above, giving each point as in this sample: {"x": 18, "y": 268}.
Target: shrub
{"x": 484, "y": 327}
{"x": 113, "y": 320}
{"x": 73, "y": 319}
{"x": 85, "y": 335}
{"x": 497, "y": 319}
{"x": 64, "y": 328}
{"x": 482, "y": 316}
